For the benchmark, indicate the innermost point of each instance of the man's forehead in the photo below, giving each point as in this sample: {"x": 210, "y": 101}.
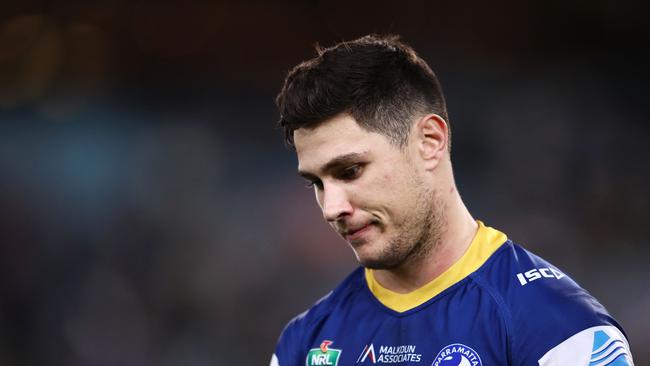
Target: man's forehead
{"x": 319, "y": 157}
{"x": 333, "y": 127}
{"x": 330, "y": 140}
{"x": 331, "y": 143}
{"x": 315, "y": 154}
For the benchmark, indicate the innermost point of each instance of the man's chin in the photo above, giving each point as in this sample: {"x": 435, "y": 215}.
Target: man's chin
{"x": 369, "y": 255}
{"x": 377, "y": 263}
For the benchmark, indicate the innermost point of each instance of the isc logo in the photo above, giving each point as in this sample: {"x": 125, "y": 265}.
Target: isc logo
{"x": 537, "y": 273}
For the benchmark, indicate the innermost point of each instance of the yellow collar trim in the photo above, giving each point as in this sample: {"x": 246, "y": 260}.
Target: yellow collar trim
{"x": 486, "y": 242}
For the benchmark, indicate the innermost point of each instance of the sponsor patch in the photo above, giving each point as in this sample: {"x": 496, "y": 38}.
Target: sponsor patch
{"x": 608, "y": 351}
{"x": 604, "y": 345}
{"x": 538, "y": 273}
{"x": 457, "y": 355}
{"x": 324, "y": 355}
{"x": 389, "y": 354}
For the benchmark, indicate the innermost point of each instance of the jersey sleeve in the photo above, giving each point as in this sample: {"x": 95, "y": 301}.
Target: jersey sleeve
{"x": 287, "y": 351}
{"x": 299, "y": 333}
{"x": 602, "y": 345}
{"x": 555, "y": 322}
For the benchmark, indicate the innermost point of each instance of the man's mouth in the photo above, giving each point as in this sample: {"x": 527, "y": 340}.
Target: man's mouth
{"x": 354, "y": 234}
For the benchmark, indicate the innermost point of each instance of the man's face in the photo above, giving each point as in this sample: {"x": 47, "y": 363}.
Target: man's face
{"x": 369, "y": 191}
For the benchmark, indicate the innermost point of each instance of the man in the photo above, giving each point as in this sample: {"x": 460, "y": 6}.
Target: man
{"x": 369, "y": 124}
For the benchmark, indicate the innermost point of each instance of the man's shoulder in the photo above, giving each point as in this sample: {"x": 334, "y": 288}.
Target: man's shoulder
{"x": 542, "y": 306}
{"x": 324, "y": 307}
{"x": 519, "y": 278}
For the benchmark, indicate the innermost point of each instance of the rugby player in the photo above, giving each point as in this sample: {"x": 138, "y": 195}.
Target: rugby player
{"x": 435, "y": 286}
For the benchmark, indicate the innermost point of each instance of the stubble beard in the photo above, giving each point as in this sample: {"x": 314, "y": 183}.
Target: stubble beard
{"x": 415, "y": 238}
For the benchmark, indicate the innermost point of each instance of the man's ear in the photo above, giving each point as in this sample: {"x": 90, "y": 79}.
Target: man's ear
{"x": 432, "y": 136}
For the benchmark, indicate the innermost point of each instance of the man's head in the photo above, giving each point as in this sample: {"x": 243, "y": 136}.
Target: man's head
{"x": 379, "y": 81}
{"x": 367, "y": 120}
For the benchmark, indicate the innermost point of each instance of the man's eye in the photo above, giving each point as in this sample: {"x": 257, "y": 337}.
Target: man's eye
{"x": 351, "y": 172}
{"x": 314, "y": 183}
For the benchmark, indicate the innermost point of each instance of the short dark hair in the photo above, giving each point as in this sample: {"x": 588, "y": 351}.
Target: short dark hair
{"x": 379, "y": 80}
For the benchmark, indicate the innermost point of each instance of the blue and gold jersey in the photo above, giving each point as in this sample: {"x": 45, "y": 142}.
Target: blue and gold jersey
{"x": 497, "y": 305}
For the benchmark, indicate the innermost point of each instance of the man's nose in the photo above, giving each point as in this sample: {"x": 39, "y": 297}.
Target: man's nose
{"x": 335, "y": 202}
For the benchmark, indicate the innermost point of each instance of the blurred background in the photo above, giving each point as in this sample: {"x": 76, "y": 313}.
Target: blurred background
{"x": 151, "y": 215}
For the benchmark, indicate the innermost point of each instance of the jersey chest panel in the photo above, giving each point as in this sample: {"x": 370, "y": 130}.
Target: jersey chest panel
{"x": 460, "y": 327}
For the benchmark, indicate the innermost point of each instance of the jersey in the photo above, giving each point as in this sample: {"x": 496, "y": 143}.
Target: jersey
{"x": 499, "y": 304}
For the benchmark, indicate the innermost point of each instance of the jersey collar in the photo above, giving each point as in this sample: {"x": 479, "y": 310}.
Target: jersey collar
{"x": 486, "y": 241}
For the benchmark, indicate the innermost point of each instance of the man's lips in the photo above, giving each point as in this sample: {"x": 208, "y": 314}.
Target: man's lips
{"x": 356, "y": 233}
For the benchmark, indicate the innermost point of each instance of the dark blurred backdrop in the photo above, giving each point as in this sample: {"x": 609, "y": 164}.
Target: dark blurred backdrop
{"x": 150, "y": 214}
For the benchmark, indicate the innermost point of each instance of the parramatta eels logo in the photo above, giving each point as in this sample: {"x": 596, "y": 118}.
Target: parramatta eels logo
{"x": 457, "y": 355}
{"x": 323, "y": 356}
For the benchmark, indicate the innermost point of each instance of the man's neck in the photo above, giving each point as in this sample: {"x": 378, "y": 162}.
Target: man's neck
{"x": 454, "y": 239}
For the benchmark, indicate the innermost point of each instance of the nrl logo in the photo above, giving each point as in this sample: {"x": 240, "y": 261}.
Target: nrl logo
{"x": 323, "y": 356}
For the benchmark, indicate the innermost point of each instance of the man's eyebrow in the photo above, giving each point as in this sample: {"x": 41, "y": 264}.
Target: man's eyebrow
{"x": 334, "y": 163}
